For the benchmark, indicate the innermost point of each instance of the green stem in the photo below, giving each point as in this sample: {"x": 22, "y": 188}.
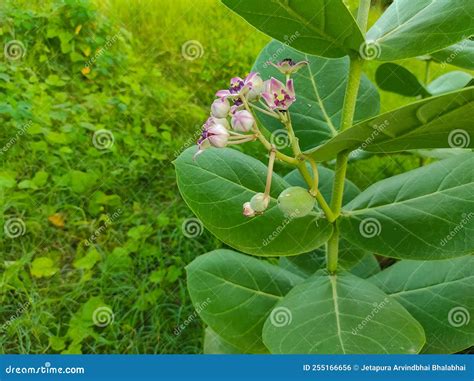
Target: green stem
{"x": 348, "y": 109}
{"x": 293, "y": 139}
{"x": 319, "y": 197}
{"x": 314, "y": 169}
{"x": 355, "y": 73}
{"x": 271, "y": 162}
{"x": 338, "y": 186}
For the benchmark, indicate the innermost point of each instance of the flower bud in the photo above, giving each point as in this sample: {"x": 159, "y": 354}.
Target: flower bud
{"x": 296, "y": 202}
{"x": 259, "y": 202}
{"x": 247, "y": 210}
{"x": 220, "y": 108}
{"x": 218, "y": 135}
{"x": 256, "y": 89}
{"x": 242, "y": 121}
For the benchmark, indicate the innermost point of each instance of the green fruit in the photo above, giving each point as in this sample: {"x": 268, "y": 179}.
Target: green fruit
{"x": 259, "y": 202}
{"x": 296, "y": 202}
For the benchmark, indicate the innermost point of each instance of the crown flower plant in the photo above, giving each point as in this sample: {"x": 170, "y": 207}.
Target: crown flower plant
{"x": 312, "y": 110}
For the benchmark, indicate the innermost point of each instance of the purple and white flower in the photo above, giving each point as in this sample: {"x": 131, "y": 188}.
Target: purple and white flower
{"x": 239, "y": 86}
{"x": 242, "y": 121}
{"x": 213, "y": 135}
{"x": 277, "y": 95}
{"x": 288, "y": 66}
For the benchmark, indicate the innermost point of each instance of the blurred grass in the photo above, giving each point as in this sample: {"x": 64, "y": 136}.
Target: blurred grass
{"x": 154, "y": 101}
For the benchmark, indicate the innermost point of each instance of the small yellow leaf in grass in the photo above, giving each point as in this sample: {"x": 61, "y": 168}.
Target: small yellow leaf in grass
{"x": 57, "y": 220}
{"x": 86, "y": 70}
{"x": 78, "y": 29}
{"x": 86, "y": 51}
{"x": 43, "y": 267}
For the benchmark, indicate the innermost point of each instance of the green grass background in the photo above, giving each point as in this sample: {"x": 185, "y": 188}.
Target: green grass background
{"x": 63, "y": 188}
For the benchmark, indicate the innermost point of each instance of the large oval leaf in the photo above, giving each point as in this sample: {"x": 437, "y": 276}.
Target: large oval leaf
{"x": 234, "y": 294}
{"x": 340, "y": 314}
{"x": 440, "y": 295}
{"x": 220, "y": 181}
{"x": 460, "y": 54}
{"x": 438, "y": 122}
{"x": 320, "y": 27}
{"x": 320, "y": 90}
{"x": 421, "y": 214}
{"x": 412, "y": 28}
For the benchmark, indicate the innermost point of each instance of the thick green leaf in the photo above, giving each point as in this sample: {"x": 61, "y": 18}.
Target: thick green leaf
{"x": 396, "y": 79}
{"x": 454, "y": 80}
{"x": 320, "y": 89}
{"x": 438, "y": 122}
{"x": 440, "y": 295}
{"x": 420, "y": 214}
{"x": 234, "y": 294}
{"x": 460, "y": 54}
{"x": 340, "y": 314}
{"x": 321, "y": 27}
{"x": 440, "y": 153}
{"x": 220, "y": 181}
{"x": 351, "y": 258}
{"x": 216, "y": 345}
{"x": 326, "y": 178}
{"x": 412, "y": 28}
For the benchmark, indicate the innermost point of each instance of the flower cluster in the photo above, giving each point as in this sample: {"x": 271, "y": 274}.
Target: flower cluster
{"x": 232, "y": 119}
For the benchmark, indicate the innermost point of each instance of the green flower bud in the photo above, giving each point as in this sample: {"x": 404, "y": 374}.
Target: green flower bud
{"x": 296, "y": 202}
{"x": 259, "y": 202}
